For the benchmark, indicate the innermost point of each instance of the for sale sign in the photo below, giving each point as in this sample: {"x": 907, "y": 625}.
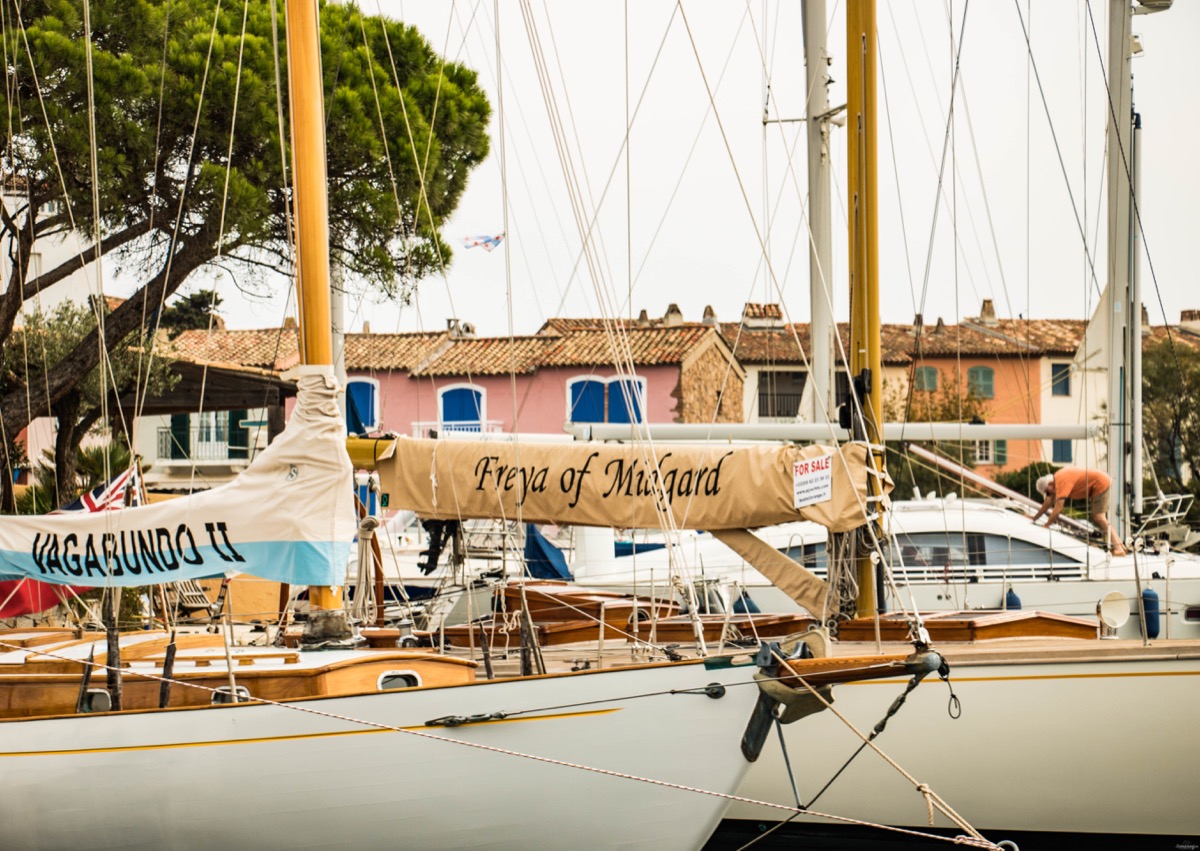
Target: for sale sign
{"x": 812, "y": 480}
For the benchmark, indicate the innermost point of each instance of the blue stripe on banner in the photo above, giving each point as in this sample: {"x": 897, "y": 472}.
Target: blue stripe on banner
{"x": 297, "y": 562}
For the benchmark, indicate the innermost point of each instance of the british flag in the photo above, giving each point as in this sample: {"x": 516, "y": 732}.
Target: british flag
{"x": 123, "y": 491}
{"x": 487, "y": 243}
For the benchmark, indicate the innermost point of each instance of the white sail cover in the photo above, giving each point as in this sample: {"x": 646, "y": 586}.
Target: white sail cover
{"x": 289, "y": 516}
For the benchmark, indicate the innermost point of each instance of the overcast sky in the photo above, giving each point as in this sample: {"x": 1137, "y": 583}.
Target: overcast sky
{"x": 1020, "y": 183}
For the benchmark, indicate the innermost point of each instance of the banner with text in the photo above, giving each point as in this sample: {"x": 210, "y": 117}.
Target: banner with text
{"x": 595, "y": 484}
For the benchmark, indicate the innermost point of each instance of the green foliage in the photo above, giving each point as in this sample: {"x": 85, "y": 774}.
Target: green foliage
{"x": 195, "y": 311}
{"x": 434, "y": 118}
{"x": 1171, "y": 418}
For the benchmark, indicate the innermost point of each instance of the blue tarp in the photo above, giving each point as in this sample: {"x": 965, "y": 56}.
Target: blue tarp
{"x": 627, "y": 548}
{"x": 543, "y": 560}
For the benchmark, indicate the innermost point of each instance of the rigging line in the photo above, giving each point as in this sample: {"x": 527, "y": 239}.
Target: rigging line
{"x": 1091, "y": 265}
{"x": 98, "y": 305}
{"x": 617, "y": 160}
{"x": 162, "y": 82}
{"x": 574, "y": 126}
{"x": 143, "y": 393}
{"x": 945, "y": 150}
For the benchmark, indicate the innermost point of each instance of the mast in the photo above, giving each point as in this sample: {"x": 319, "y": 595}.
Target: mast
{"x": 1120, "y": 19}
{"x": 862, "y": 172}
{"x": 820, "y": 252}
{"x": 306, "y": 102}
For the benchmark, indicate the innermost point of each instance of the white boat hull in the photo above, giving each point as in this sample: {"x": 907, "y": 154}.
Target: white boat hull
{"x": 268, "y": 776}
{"x": 1102, "y": 747}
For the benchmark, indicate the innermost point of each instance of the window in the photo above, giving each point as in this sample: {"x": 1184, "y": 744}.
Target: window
{"x": 1060, "y": 379}
{"x": 392, "y": 680}
{"x": 585, "y": 400}
{"x": 925, "y": 378}
{"x": 223, "y": 695}
{"x": 1061, "y": 452}
{"x": 991, "y": 452}
{"x": 362, "y": 405}
{"x": 625, "y": 400}
{"x": 779, "y": 393}
{"x": 592, "y": 399}
{"x": 981, "y": 382}
{"x": 461, "y": 408}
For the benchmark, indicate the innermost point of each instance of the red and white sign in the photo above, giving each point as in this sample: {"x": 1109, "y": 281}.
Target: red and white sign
{"x": 812, "y": 480}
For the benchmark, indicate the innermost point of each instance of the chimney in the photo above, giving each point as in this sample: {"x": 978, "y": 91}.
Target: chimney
{"x": 762, "y": 315}
{"x": 918, "y": 321}
{"x": 673, "y": 316}
{"x": 643, "y": 320}
{"x": 941, "y": 326}
{"x": 452, "y": 327}
{"x": 289, "y": 322}
{"x": 366, "y": 326}
{"x": 1190, "y": 317}
{"x": 987, "y": 313}
{"x": 710, "y": 315}
{"x": 1145, "y": 318}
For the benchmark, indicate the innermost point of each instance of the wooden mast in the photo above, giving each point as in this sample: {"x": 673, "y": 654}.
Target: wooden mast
{"x": 862, "y": 174}
{"x": 306, "y": 102}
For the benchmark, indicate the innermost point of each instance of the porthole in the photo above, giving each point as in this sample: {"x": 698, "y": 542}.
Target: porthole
{"x": 392, "y": 680}
{"x": 223, "y": 695}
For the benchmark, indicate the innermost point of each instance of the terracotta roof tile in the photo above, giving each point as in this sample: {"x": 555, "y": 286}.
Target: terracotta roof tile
{"x": 648, "y": 346}
{"x": 269, "y": 348}
{"x": 486, "y": 356}
{"x": 778, "y": 345}
{"x": 392, "y": 351}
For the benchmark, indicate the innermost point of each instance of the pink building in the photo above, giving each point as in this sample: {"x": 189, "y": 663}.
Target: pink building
{"x": 422, "y": 383}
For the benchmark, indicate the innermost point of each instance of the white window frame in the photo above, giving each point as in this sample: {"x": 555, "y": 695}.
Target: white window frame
{"x": 354, "y": 379}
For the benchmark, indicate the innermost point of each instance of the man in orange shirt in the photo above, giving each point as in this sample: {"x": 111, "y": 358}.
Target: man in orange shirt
{"x": 1073, "y": 483}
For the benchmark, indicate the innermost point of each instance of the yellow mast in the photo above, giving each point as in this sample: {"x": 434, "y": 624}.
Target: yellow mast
{"x": 864, "y": 240}
{"x": 312, "y": 203}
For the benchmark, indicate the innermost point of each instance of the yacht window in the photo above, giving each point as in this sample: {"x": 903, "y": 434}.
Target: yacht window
{"x": 812, "y": 556}
{"x": 1001, "y": 550}
{"x": 392, "y": 680}
{"x": 223, "y": 695}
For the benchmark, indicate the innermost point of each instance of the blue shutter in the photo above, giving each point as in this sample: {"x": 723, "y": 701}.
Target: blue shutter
{"x": 1000, "y": 453}
{"x": 587, "y": 402}
{"x": 461, "y": 407}
{"x": 360, "y": 406}
{"x": 1062, "y": 452}
{"x": 624, "y": 404}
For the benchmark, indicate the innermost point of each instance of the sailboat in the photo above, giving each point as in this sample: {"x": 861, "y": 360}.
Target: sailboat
{"x": 387, "y": 746}
{"x": 1050, "y": 724}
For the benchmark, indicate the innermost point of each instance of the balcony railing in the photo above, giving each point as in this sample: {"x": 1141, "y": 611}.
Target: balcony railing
{"x": 423, "y": 429}
{"x": 781, "y": 405}
{"x": 202, "y": 444}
